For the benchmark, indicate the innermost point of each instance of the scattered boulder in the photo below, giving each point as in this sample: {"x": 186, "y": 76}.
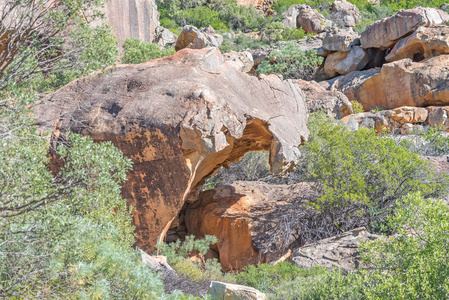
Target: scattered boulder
{"x": 425, "y": 42}
{"x": 179, "y": 118}
{"x": 340, "y": 251}
{"x": 263, "y": 5}
{"x": 246, "y": 217}
{"x": 227, "y": 291}
{"x": 310, "y": 20}
{"x": 341, "y": 63}
{"x": 164, "y": 37}
{"x": 193, "y": 38}
{"x": 345, "y": 14}
{"x": 445, "y": 7}
{"x": 290, "y": 17}
{"x": 437, "y": 116}
{"x": 242, "y": 61}
{"x": 385, "y": 33}
{"x": 334, "y": 103}
{"x": 340, "y": 40}
{"x": 399, "y": 83}
{"x": 404, "y": 120}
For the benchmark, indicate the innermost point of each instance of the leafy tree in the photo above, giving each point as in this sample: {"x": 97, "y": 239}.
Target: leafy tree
{"x": 136, "y": 51}
{"x": 291, "y": 62}
{"x": 360, "y": 175}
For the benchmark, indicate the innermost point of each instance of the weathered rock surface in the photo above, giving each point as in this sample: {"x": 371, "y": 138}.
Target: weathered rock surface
{"x": 385, "y": 33}
{"x": 247, "y": 217}
{"x": 179, "y": 119}
{"x": 242, "y": 61}
{"x": 342, "y": 63}
{"x": 400, "y": 83}
{"x": 425, "y": 42}
{"x": 340, "y": 40}
{"x": 227, "y": 291}
{"x": 263, "y": 5}
{"x": 404, "y": 120}
{"x": 310, "y": 20}
{"x": 132, "y": 19}
{"x": 340, "y": 251}
{"x": 192, "y": 37}
{"x": 164, "y": 37}
{"x": 290, "y": 17}
{"x": 156, "y": 263}
{"x": 334, "y": 103}
{"x": 345, "y": 14}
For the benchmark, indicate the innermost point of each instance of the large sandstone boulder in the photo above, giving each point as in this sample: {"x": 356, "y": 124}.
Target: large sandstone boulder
{"x": 227, "y": 291}
{"x": 345, "y": 14}
{"x": 341, "y": 63}
{"x": 192, "y": 37}
{"x": 423, "y": 43}
{"x": 400, "y": 83}
{"x": 340, "y": 251}
{"x": 385, "y": 33}
{"x": 340, "y": 40}
{"x": 310, "y": 20}
{"x": 179, "y": 119}
{"x": 132, "y": 19}
{"x": 333, "y": 103}
{"x": 248, "y": 219}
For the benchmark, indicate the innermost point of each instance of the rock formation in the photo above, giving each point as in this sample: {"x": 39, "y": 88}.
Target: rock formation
{"x": 242, "y": 61}
{"x": 333, "y": 103}
{"x": 345, "y": 14}
{"x": 425, "y": 42}
{"x": 400, "y": 83}
{"x": 305, "y": 17}
{"x": 193, "y": 38}
{"x": 132, "y": 19}
{"x": 385, "y": 33}
{"x": 227, "y": 291}
{"x": 179, "y": 119}
{"x": 340, "y": 251}
{"x": 249, "y": 218}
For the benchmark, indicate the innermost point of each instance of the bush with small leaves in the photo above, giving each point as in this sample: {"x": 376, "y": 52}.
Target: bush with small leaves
{"x": 291, "y": 62}
{"x": 136, "y": 51}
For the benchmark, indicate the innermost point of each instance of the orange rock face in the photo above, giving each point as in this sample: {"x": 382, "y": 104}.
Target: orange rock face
{"x": 179, "y": 119}
{"x": 246, "y": 217}
{"x": 400, "y": 83}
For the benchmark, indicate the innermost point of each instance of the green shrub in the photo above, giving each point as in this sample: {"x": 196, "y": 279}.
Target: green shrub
{"x": 357, "y": 107}
{"x": 291, "y": 62}
{"x": 412, "y": 264}
{"x": 360, "y": 175}
{"x": 136, "y": 52}
{"x": 267, "y": 278}
{"x": 177, "y": 254}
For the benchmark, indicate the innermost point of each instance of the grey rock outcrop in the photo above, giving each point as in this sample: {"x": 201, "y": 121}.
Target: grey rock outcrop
{"x": 345, "y": 14}
{"x": 340, "y": 251}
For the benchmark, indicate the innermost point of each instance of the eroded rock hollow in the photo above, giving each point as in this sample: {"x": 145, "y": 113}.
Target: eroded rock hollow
{"x": 180, "y": 119}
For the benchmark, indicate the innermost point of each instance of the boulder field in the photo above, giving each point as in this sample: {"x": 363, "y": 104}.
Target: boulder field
{"x": 180, "y": 119}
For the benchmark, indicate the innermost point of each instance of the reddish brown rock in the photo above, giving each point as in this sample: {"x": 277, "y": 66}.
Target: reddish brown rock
{"x": 333, "y": 103}
{"x": 246, "y": 218}
{"x": 193, "y": 38}
{"x": 179, "y": 119}
{"x": 385, "y": 33}
{"x": 310, "y": 20}
{"x": 423, "y": 43}
{"x": 400, "y": 83}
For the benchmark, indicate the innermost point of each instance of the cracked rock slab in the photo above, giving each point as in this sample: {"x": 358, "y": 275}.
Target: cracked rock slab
{"x": 179, "y": 119}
